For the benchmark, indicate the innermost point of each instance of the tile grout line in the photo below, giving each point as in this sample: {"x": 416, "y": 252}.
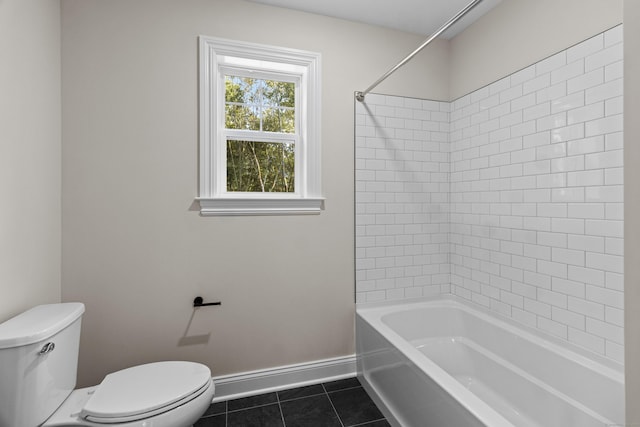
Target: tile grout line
{"x": 284, "y": 424}
{"x": 332, "y": 406}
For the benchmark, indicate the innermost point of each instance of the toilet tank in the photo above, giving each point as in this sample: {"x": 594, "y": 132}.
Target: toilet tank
{"x": 38, "y": 362}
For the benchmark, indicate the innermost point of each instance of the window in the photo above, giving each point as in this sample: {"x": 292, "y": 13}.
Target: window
{"x": 259, "y": 129}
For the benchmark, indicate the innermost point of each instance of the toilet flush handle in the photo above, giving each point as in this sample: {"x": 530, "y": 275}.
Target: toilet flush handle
{"x": 47, "y": 348}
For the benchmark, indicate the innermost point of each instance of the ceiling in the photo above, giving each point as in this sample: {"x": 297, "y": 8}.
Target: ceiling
{"x": 414, "y": 16}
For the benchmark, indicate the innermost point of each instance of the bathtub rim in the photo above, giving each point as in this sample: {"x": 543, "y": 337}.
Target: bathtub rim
{"x": 373, "y": 313}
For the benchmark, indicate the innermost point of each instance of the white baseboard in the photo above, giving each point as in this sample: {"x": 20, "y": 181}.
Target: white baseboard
{"x": 267, "y": 380}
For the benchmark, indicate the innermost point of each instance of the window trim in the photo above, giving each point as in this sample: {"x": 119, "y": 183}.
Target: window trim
{"x": 218, "y": 56}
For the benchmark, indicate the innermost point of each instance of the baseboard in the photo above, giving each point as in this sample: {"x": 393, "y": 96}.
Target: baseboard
{"x": 267, "y": 380}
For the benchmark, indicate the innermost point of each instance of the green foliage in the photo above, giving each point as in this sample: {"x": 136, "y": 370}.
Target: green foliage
{"x": 260, "y": 166}
{"x": 260, "y": 106}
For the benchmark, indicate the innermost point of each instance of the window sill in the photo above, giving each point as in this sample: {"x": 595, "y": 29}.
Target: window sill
{"x": 239, "y": 207}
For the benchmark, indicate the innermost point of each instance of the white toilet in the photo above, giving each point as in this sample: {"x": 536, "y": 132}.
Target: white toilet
{"x": 38, "y": 361}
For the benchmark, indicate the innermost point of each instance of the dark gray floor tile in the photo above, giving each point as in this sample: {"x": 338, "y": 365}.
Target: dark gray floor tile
{"x": 214, "y": 421}
{"x": 314, "y": 411}
{"x": 262, "y": 416}
{"x": 354, "y": 406}
{"x": 251, "y": 401}
{"x": 342, "y": 384}
{"x": 295, "y": 393}
{"x": 216, "y": 408}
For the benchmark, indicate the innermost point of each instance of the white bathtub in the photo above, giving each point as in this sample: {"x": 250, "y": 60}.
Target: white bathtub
{"x": 442, "y": 363}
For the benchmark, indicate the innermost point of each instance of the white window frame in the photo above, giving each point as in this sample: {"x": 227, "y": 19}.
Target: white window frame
{"x": 220, "y": 57}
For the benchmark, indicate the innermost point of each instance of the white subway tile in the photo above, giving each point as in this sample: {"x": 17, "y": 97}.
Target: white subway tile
{"x": 605, "y": 228}
{"x": 558, "y": 240}
{"x": 568, "y": 195}
{"x": 607, "y": 194}
{"x": 605, "y": 330}
{"x": 586, "y": 145}
{"x": 611, "y": 89}
{"x": 511, "y": 93}
{"x": 569, "y": 102}
{"x": 615, "y": 316}
{"x": 536, "y": 139}
{"x": 605, "y": 159}
{"x": 557, "y": 210}
{"x": 551, "y": 63}
{"x": 587, "y": 275}
{"x": 612, "y": 263}
{"x": 537, "y": 111}
{"x": 551, "y": 151}
{"x": 523, "y": 102}
{"x": 614, "y": 176}
{"x": 552, "y": 298}
{"x": 613, "y": 71}
{"x": 537, "y": 223}
{"x": 586, "y": 211}
{"x": 613, "y": 36}
{"x": 586, "y": 81}
{"x": 567, "y": 164}
{"x": 534, "y": 85}
{"x": 614, "y": 351}
{"x": 604, "y": 57}
{"x": 568, "y": 256}
{"x": 567, "y": 133}
{"x": 585, "y": 48}
{"x": 587, "y": 340}
{"x": 551, "y": 122}
{"x": 568, "y": 287}
{"x": 554, "y": 269}
{"x": 613, "y": 141}
{"x": 569, "y": 318}
{"x": 567, "y": 225}
{"x": 585, "y": 178}
{"x": 614, "y": 211}
{"x": 572, "y": 69}
{"x": 586, "y": 308}
{"x": 586, "y": 113}
{"x": 614, "y": 246}
{"x": 614, "y": 106}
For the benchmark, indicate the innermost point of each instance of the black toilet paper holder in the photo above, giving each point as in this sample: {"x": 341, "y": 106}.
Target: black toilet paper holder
{"x": 199, "y": 302}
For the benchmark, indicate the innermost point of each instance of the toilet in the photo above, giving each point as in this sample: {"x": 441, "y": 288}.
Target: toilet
{"x": 38, "y": 362}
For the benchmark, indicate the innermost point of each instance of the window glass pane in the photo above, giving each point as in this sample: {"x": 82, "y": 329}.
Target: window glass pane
{"x": 279, "y": 94}
{"x": 242, "y": 89}
{"x": 254, "y": 166}
{"x": 238, "y": 116}
{"x": 257, "y": 104}
{"x": 278, "y": 120}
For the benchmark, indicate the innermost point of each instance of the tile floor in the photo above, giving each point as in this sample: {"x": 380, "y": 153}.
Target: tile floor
{"x": 342, "y": 403}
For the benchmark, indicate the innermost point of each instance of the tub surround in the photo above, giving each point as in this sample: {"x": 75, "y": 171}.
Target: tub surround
{"x": 517, "y": 207}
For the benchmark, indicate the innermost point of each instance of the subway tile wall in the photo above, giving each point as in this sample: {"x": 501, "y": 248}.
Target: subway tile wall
{"x": 402, "y": 198}
{"x": 525, "y": 206}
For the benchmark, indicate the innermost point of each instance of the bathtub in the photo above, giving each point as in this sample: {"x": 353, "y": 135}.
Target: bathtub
{"x": 443, "y": 363}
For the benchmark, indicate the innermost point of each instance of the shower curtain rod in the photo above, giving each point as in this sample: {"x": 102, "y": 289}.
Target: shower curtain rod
{"x": 360, "y": 95}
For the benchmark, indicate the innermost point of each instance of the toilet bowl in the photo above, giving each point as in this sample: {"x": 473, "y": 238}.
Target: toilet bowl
{"x": 162, "y": 394}
{"x": 38, "y": 362}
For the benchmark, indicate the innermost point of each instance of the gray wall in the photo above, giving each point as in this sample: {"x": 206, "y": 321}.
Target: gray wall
{"x": 518, "y": 33}
{"x": 134, "y": 250}
{"x": 29, "y": 154}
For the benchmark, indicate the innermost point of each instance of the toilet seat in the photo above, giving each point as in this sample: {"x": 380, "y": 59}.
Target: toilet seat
{"x": 144, "y": 391}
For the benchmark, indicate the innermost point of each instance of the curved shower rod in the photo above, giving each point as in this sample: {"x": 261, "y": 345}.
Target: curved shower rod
{"x": 360, "y": 95}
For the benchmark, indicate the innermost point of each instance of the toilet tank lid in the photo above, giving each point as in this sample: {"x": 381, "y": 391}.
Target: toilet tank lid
{"x": 38, "y": 324}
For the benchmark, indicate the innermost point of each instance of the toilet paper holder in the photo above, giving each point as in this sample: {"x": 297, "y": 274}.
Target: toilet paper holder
{"x": 199, "y": 302}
